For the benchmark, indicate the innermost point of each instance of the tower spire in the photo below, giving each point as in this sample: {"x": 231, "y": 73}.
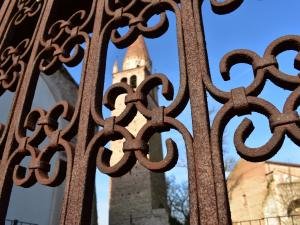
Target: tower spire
{"x": 137, "y": 55}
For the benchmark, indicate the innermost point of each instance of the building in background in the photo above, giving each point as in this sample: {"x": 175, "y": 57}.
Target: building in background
{"x": 264, "y": 193}
{"x": 39, "y": 204}
{"x": 138, "y": 197}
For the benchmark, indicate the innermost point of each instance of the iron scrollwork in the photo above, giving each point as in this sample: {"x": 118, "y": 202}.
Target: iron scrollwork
{"x": 135, "y": 15}
{"x": 160, "y": 119}
{"x": 244, "y": 100}
{"x": 60, "y": 41}
{"x": 15, "y": 51}
{"x": 13, "y": 59}
{"x": 226, "y": 6}
{"x": 43, "y": 124}
{"x": 61, "y": 44}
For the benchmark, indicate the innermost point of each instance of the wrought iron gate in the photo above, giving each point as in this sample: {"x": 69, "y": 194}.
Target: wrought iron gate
{"x": 40, "y": 35}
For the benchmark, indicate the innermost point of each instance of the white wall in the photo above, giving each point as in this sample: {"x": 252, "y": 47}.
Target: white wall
{"x": 38, "y": 204}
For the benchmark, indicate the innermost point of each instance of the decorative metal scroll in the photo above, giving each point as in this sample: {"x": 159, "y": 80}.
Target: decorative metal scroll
{"x": 244, "y": 100}
{"x": 41, "y": 36}
{"x": 15, "y": 51}
{"x": 159, "y": 118}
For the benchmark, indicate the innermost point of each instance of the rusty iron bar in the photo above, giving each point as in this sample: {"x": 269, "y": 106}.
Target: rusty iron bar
{"x": 50, "y": 45}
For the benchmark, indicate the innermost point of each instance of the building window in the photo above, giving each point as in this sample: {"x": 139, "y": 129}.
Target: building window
{"x": 293, "y": 211}
{"x": 133, "y": 81}
{"x": 124, "y": 80}
{"x": 294, "y": 208}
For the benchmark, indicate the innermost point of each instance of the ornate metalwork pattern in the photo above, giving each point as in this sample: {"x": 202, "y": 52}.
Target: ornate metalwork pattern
{"x": 160, "y": 118}
{"x": 43, "y": 124}
{"x": 15, "y": 52}
{"x": 244, "y": 100}
{"x": 60, "y": 30}
{"x": 57, "y": 42}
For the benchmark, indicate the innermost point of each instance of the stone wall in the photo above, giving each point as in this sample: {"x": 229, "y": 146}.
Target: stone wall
{"x": 265, "y": 191}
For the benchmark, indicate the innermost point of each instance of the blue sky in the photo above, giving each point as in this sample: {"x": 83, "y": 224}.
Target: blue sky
{"x": 253, "y": 26}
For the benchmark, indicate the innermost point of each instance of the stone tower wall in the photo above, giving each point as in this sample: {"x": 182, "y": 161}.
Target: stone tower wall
{"x": 138, "y": 197}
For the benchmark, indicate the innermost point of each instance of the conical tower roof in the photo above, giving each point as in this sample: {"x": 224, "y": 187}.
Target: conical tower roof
{"x": 137, "y": 55}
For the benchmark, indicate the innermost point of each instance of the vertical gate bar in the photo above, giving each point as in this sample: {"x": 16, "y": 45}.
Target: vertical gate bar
{"x": 20, "y": 110}
{"x": 210, "y": 178}
{"x": 194, "y": 218}
{"x": 205, "y": 185}
{"x": 5, "y": 10}
{"x": 81, "y": 188}
{"x": 223, "y": 208}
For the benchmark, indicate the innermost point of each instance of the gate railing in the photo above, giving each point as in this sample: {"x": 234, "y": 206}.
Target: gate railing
{"x": 17, "y": 222}
{"x": 278, "y": 220}
{"x": 42, "y": 35}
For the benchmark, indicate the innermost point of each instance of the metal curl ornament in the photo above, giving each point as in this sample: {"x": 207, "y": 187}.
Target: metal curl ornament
{"x": 11, "y": 66}
{"x": 136, "y": 148}
{"x": 112, "y": 6}
{"x": 9, "y": 80}
{"x": 147, "y": 86}
{"x": 293, "y": 123}
{"x": 23, "y": 176}
{"x": 137, "y": 21}
{"x": 60, "y": 26}
{"x": 171, "y": 158}
{"x": 12, "y": 54}
{"x": 278, "y": 46}
{"x": 60, "y": 168}
{"x": 69, "y": 53}
{"x": 97, "y": 144}
{"x": 264, "y": 68}
{"x": 63, "y": 44}
{"x": 28, "y": 8}
{"x": 228, "y": 111}
{"x": 32, "y": 123}
{"x": 258, "y": 154}
{"x": 73, "y": 52}
{"x": 226, "y": 6}
{"x": 43, "y": 125}
{"x": 109, "y": 100}
{"x": 242, "y": 100}
{"x": 47, "y": 59}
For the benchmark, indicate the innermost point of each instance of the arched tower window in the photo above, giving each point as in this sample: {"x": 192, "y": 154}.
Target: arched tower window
{"x": 124, "y": 80}
{"x": 294, "y": 208}
{"x": 133, "y": 81}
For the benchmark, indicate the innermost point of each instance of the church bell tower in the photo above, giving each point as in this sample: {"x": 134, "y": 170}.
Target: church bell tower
{"x": 139, "y": 197}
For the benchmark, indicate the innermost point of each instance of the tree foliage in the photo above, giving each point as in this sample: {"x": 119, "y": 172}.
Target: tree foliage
{"x": 178, "y": 201}
{"x": 178, "y": 195}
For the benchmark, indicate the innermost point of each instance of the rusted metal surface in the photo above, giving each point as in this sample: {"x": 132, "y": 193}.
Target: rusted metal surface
{"x": 41, "y": 36}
